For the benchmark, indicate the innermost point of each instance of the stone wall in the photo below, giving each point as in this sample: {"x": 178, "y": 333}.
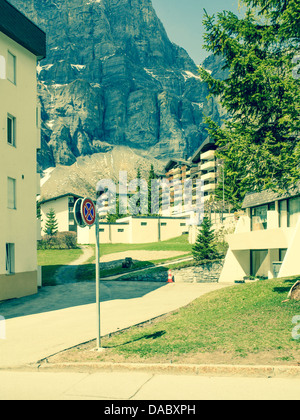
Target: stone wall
{"x": 206, "y": 273}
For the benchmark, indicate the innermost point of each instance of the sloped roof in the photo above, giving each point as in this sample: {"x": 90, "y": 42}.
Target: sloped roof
{"x": 206, "y": 145}
{"x": 19, "y": 28}
{"x": 174, "y": 162}
{"x": 268, "y": 196}
{"x": 60, "y": 196}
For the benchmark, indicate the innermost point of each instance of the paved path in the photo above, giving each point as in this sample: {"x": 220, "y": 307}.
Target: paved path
{"x": 132, "y": 387}
{"x": 64, "y": 316}
{"x": 67, "y": 273}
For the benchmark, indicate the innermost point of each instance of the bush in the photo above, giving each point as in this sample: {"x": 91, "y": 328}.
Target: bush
{"x": 61, "y": 240}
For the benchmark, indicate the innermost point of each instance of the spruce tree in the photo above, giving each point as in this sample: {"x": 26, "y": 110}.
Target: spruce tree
{"x": 51, "y": 226}
{"x": 205, "y": 247}
{"x": 260, "y": 142}
{"x": 152, "y": 176}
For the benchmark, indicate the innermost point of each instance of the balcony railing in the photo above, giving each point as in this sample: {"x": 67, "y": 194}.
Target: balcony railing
{"x": 209, "y": 176}
{"x": 209, "y": 187}
{"x": 209, "y": 155}
{"x": 208, "y": 165}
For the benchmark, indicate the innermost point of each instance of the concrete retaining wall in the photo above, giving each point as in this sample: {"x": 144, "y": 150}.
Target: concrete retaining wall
{"x": 206, "y": 273}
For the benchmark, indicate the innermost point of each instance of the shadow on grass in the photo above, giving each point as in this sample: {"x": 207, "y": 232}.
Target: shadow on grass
{"x": 287, "y": 285}
{"x": 87, "y": 272}
{"x": 154, "y": 336}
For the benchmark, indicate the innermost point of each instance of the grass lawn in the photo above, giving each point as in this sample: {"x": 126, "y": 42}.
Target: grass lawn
{"x": 87, "y": 272}
{"x": 242, "y": 324}
{"x": 176, "y": 244}
{"x": 52, "y": 259}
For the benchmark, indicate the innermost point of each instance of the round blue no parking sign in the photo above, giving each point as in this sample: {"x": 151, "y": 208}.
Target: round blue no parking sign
{"x": 88, "y": 212}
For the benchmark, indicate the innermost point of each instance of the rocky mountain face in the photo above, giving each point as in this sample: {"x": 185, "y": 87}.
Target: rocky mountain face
{"x": 113, "y": 78}
{"x": 82, "y": 177}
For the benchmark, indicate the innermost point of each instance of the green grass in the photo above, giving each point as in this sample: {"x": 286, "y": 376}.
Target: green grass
{"x": 242, "y": 321}
{"x": 177, "y": 244}
{"x": 87, "y": 272}
{"x": 52, "y": 259}
{"x": 58, "y": 256}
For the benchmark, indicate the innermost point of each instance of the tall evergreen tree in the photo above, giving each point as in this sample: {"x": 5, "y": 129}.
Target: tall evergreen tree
{"x": 260, "y": 142}
{"x": 205, "y": 247}
{"x": 152, "y": 176}
{"x": 51, "y": 226}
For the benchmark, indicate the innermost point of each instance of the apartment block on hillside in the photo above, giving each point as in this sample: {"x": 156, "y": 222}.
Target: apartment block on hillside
{"x": 205, "y": 168}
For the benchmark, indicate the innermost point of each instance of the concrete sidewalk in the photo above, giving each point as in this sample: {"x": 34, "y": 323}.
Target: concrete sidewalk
{"x": 46, "y": 330}
{"x": 141, "y": 386}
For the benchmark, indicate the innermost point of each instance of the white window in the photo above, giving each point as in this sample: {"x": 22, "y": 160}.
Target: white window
{"x": 2, "y": 67}
{"x": 11, "y": 193}
{"x": 11, "y": 67}
{"x": 38, "y": 117}
{"x": 11, "y": 130}
{"x": 10, "y": 258}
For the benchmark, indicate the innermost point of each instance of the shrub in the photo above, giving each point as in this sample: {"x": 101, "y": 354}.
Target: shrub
{"x": 61, "y": 240}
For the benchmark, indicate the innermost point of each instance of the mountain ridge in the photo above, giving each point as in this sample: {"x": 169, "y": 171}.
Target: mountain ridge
{"x": 113, "y": 78}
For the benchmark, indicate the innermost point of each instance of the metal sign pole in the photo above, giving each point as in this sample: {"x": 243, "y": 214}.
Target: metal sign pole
{"x": 98, "y": 280}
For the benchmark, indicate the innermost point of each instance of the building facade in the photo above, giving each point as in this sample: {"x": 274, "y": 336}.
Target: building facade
{"x": 21, "y": 45}
{"x": 205, "y": 168}
{"x": 267, "y": 238}
{"x": 135, "y": 230}
{"x": 63, "y": 206}
{"x": 177, "y": 171}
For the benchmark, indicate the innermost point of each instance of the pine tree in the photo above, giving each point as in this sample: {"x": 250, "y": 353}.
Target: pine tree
{"x": 152, "y": 176}
{"x": 259, "y": 143}
{"x": 51, "y": 226}
{"x": 205, "y": 247}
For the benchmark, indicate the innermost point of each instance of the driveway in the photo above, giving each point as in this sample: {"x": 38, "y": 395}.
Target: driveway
{"x": 64, "y": 316}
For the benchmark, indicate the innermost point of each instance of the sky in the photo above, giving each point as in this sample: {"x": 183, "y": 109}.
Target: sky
{"x": 182, "y": 20}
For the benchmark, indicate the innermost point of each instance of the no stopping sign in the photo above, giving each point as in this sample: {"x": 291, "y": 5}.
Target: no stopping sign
{"x": 88, "y": 212}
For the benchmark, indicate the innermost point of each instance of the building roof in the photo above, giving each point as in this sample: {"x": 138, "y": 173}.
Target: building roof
{"x": 60, "y": 196}
{"x": 175, "y": 162}
{"x": 19, "y": 28}
{"x": 208, "y": 144}
{"x": 268, "y": 196}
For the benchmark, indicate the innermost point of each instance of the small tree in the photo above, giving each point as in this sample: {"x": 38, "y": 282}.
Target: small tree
{"x": 151, "y": 177}
{"x": 205, "y": 247}
{"x": 51, "y": 226}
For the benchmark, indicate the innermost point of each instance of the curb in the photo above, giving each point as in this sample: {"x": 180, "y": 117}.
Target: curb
{"x": 171, "y": 369}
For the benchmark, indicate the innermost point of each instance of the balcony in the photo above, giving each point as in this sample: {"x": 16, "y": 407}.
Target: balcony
{"x": 209, "y": 155}
{"x": 261, "y": 239}
{"x": 208, "y": 166}
{"x": 177, "y": 176}
{"x": 209, "y": 176}
{"x": 209, "y": 187}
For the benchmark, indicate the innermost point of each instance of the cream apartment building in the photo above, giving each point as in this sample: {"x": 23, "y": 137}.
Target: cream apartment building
{"x": 63, "y": 205}
{"x": 267, "y": 238}
{"x": 21, "y": 45}
{"x": 205, "y": 167}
